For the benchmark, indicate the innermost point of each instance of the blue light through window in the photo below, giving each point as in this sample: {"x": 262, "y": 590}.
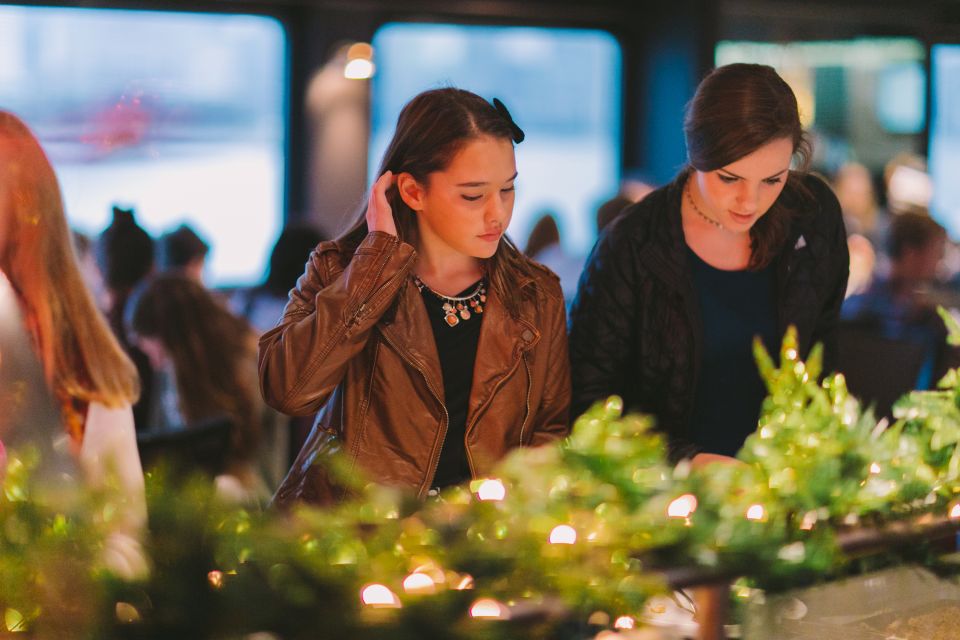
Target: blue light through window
{"x": 179, "y": 115}
{"x": 945, "y": 136}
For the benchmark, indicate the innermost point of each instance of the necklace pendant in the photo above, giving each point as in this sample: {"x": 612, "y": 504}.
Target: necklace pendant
{"x": 452, "y": 319}
{"x": 464, "y": 314}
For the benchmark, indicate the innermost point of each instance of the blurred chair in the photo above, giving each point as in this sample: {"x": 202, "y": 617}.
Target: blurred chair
{"x": 878, "y": 370}
{"x": 195, "y": 449}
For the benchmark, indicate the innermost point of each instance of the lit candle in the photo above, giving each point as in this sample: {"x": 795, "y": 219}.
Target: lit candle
{"x": 683, "y": 506}
{"x": 377, "y": 595}
{"x": 563, "y": 534}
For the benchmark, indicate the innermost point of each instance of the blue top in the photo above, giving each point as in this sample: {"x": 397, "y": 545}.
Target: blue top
{"x": 735, "y": 306}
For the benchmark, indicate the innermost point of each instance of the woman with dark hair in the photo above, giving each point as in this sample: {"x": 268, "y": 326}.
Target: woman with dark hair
{"x": 742, "y": 243}
{"x": 207, "y": 354}
{"x": 431, "y": 343}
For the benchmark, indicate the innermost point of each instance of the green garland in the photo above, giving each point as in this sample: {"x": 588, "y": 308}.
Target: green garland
{"x": 565, "y": 541}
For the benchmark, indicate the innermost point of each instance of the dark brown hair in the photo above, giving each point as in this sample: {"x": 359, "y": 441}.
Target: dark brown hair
{"x": 431, "y": 129}
{"x": 737, "y": 109}
{"x": 213, "y": 353}
{"x": 545, "y": 233}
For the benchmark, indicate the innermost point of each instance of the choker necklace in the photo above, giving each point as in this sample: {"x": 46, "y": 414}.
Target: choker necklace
{"x": 457, "y": 307}
{"x": 693, "y": 204}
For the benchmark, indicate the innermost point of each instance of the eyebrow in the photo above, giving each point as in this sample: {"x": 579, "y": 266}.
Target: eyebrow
{"x": 779, "y": 173}
{"x": 481, "y": 184}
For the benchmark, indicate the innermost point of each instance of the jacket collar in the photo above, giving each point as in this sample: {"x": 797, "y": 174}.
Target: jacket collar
{"x": 503, "y": 340}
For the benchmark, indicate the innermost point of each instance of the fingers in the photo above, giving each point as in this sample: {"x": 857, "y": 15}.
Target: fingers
{"x": 379, "y": 191}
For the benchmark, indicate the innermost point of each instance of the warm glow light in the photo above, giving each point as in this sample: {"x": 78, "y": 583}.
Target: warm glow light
{"x": 358, "y": 69}
{"x": 756, "y": 512}
{"x": 465, "y": 583}
{"x": 624, "y": 622}
{"x": 491, "y": 489}
{"x": 563, "y": 534}
{"x": 377, "y": 595}
{"x": 955, "y": 511}
{"x": 487, "y": 608}
{"x": 809, "y": 519}
{"x": 683, "y": 506}
{"x": 215, "y": 578}
{"x": 874, "y": 468}
{"x": 419, "y": 583}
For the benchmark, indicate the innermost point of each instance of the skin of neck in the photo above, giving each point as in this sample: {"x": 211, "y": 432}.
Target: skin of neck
{"x": 443, "y": 268}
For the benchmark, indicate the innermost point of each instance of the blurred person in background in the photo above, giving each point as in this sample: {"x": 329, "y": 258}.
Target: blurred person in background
{"x": 544, "y": 246}
{"x": 208, "y": 359}
{"x": 125, "y": 256}
{"x": 431, "y": 344}
{"x": 610, "y": 209}
{"x": 903, "y": 304}
{"x": 184, "y": 251}
{"x": 263, "y": 304}
{"x": 85, "y": 367}
{"x": 740, "y": 245}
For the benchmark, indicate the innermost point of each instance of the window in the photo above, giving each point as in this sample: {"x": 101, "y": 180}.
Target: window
{"x": 864, "y": 99}
{"x": 945, "y": 136}
{"x": 562, "y": 86}
{"x": 178, "y": 115}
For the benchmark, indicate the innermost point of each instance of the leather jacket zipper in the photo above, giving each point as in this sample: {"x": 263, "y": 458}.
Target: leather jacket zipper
{"x": 432, "y": 470}
{"x": 483, "y": 408}
{"x": 526, "y": 415}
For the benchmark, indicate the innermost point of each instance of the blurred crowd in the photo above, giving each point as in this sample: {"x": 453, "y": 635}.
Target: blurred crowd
{"x": 196, "y": 348}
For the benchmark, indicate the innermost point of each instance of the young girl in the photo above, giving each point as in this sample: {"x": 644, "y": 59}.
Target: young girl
{"x": 85, "y": 367}
{"x": 431, "y": 344}
{"x": 741, "y": 244}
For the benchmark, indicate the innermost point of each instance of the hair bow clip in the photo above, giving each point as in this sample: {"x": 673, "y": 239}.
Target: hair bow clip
{"x": 518, "y": 134}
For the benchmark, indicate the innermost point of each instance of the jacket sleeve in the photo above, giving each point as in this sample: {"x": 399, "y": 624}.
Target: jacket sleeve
{"x": 327, "y": 322}
{"x": 601, "y": 322}
{"x": 825, "y": 330}
{"x": 552, "y": 419}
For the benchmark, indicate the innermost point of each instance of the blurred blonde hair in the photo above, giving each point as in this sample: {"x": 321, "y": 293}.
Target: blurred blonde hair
{"x": 81, "y": 358}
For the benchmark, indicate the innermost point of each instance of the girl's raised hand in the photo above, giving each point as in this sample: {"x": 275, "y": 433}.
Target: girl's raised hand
{"x": 379, "y": 213}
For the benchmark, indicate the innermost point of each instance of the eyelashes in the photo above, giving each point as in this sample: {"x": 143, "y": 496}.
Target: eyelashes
{"x": 731, "y": 180}
{"x": 477, "y": 198}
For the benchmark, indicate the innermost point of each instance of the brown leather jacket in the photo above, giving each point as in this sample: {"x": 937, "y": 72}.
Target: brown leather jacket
{"x": 355, "y": 341}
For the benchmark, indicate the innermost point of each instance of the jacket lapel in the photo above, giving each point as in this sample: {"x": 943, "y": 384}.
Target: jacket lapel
{"x": 503, "y": 340}
{"x": 411, "y": 334}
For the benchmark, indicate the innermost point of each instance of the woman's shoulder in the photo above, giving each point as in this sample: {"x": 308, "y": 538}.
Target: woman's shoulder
{"x": 544, "y": 281}
{"x": 819, "y": 204}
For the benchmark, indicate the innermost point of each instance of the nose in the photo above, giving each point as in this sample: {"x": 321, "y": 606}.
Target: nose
{"x": 495, "y": 213}
{"x": 747, "y": 196}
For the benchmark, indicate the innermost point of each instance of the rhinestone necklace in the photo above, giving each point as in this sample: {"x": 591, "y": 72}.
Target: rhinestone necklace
{"x": 456, "y": 308}
{"x": 693, "y": 204}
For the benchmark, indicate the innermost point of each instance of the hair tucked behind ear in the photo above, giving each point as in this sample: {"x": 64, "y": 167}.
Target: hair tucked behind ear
{"x": 431, "y": 129}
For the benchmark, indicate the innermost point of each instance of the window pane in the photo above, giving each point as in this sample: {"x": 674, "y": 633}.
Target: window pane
{"x": 178, "y": 115}
{"x": 864, "y": 99}
{"x": 945, "y": 136}
{"x": 562, "y": 86}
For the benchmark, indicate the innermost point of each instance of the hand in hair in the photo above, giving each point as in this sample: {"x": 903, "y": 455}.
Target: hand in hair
{"x": 379, "y": 213}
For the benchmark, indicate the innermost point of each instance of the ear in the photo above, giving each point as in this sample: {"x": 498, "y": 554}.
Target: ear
{"x": 411, "y": 192}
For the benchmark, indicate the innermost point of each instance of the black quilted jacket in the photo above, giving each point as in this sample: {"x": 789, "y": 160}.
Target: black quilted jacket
{"x": 636, "y": 329}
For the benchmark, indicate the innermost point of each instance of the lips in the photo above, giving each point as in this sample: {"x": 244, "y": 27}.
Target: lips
{"x": 741, "y": 217}
{"x": 490, "y": 237}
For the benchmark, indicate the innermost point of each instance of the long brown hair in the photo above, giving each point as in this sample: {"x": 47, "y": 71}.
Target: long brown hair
{"x": 431, "y": 129}
{"x": 81, "y": 358}
{"x": 213, "y": 352}
{"x": 737, "y": 109}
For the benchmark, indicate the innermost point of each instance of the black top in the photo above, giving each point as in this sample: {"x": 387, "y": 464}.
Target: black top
{"x": 735, "y": 307}
{"x": 457, "y": 348}
{"x": 636, "y": 328}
